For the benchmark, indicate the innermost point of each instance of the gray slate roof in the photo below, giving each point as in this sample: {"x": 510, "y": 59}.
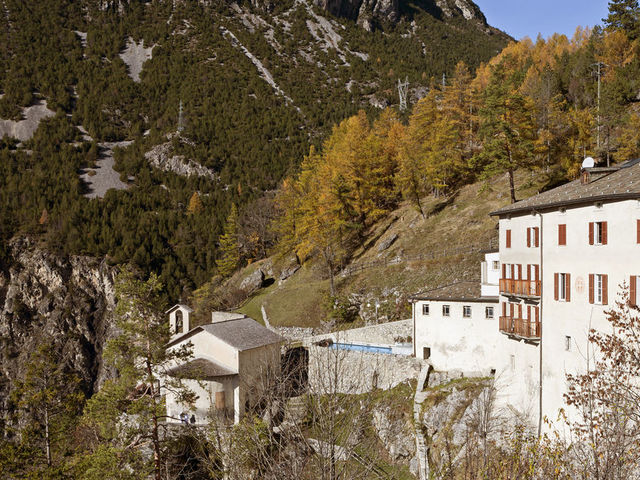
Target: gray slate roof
{"x": 201, "y": 369}
{"x": 621, "y": 182}
{"x": 243, "y": 333}
{"x": 456, "y": 292}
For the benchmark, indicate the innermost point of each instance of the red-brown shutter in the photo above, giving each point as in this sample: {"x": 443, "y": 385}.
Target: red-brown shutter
{"x": 562, "y": 234}
{"x": 511, "y": 308}
{"x": 605, "y": 296}
{"x": 504, "y": 309}
{"x": 604, "y": 233}
{"x": 519, "y": 271}
{"x": 638, "y": 231}
{"x": 529, "y": 271}
{"x": 519, "y": 310}
{"x": 537, "y": 312}
{"x": 632, "y": 290}
{"x": 529, "y": 312}
{"x": 508, "y": 238}
{"x": 567, "y": 287}
{"x": 590, "y": 233}
{"x": 528, "y": 237}
{"x": 591, "y": 282}
{"x": 555, "y": 286}
{"x": 537, "y": 269}
{"x": 504, "y": 270}
{"x": 513, "y": 271}
{"x": 536, "y": 231}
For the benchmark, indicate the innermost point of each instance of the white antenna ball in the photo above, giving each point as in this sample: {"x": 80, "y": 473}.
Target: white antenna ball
{"x": 588, "y": 162}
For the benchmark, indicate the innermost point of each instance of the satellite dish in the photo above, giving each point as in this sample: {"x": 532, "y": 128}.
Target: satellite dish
{"x": 588, "y": 163}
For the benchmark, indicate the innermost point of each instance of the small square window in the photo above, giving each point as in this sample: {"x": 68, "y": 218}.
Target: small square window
{"x": 567, "y": 343}
{"x": 466, "y": 311}
{"x": 425, "y": 309}
{"x": 445, "y": 310}
{"x": 488, "y": 312}
{"x": 600, "y": 233}
{"x": 426, "y": 353}
{"x": 496, "y": 265}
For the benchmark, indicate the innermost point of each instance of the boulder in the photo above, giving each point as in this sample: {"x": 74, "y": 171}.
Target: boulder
{"x": 253, "y": 282}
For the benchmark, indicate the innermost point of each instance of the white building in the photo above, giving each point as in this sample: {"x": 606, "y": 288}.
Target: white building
{"x": 564, "y": 255}
{"x": 233, "y": 356}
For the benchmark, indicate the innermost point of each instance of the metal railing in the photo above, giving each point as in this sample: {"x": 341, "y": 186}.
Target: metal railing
{"x": 528, "y": 288}
{"x": 521, "y": 327}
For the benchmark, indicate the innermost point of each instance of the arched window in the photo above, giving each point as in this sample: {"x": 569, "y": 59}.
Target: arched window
{"x": 179, "y": 322}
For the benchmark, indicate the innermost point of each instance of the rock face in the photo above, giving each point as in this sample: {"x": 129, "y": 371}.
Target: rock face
{"x": 162, "y": 157}
{"x": 67, "y": 302}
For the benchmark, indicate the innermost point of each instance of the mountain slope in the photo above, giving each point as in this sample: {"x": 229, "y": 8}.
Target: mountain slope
{"x": 258, "y": 82}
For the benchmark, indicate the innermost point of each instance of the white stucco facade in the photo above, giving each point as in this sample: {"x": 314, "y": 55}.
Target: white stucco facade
{"x": 232, "y": 361}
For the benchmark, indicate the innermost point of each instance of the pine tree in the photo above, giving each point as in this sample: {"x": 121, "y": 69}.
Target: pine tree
{"x": 624, "y": 15}
{"x": 126, "y": 415}
{"x": 229, "y": 249}
{"x": 195, "y": 204}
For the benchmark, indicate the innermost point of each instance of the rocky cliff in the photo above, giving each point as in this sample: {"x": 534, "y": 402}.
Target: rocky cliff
{"x": 67, "y": 302}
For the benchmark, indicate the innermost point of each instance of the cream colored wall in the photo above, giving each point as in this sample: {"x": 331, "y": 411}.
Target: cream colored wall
{"x": 206, "y": 401}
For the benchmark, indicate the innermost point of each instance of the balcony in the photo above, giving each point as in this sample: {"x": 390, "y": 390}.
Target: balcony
{"x": 520, "y": 288}
{"x": 521, "y": 328}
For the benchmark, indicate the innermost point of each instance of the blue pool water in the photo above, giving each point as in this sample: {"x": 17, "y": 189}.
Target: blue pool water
{"x": 361, "y": 348}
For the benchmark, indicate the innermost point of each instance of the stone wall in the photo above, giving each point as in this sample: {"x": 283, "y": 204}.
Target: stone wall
{"x": 346, "y": 371}
{"x": 382, "y": 334}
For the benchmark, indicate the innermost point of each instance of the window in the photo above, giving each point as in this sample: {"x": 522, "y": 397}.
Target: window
{"x": 597, "y": 233}
{"x": 426, "y": 353}
{"x": 533, "y": 237}
{"x": 508, "y": 238}
{"x": 179, "y": 321}
{"x": 567, "y": 343}
{"x": 496, "y": 264}
{"x": 488, "y": 312}
{"x": 562, "y": 286}
{"x": 598, "y": 290}
{"x": 466, "y": 311}
{"x": 562, "y": 234}
{"x": 445, "y": 310}
{"x": 425, "y": 309}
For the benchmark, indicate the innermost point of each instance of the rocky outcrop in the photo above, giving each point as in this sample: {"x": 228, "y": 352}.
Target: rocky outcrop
{"x": 162, "y": 157}
{"x": 48, "y": 299}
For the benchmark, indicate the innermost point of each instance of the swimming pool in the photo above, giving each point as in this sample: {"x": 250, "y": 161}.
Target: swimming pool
{"x": 362, "y": 348}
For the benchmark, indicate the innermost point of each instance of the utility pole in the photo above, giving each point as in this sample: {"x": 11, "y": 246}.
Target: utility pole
{"x": 180, "y": 119}
{"x": 599, "y": 66}
{"x": 444, "y": 80}
{"x": 403, "y": 89}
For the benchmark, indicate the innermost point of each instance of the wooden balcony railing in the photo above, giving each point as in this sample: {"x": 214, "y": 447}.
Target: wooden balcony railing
{"x": 528, "y": 288}
{"x": 521, "y": 327}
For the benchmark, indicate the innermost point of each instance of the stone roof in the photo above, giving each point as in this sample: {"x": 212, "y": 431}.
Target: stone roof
{"x": 621, "y": 182}
{"x": 201, "y": 369}
{"x": 243, "y": 333}
{"x": 456, "y": 292}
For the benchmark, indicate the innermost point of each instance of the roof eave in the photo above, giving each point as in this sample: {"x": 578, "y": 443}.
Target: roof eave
{"x": 565, "y": 203}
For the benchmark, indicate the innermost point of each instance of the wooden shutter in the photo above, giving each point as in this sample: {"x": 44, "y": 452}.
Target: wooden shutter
{"x": 536, "y": 232}
{"x": 504, "y": 270}
{"x": 537, "y": 271}
{"x": 605, "y": 293}
{"x": 638, "y": 231}
{"x": 604, "y": 233}
{"x": 529, "y": 271}
{"x": 519, "y": 310}
{"x": 536, "y": 311}
{"x": 504, "y": 309}
{"x": 555, "y": 286}
{"x": 519, "y": 271}
{"x": 513, "y": 271}
{"x": 562, "y": 234}
{"x": 529, "y": 312}
{"x": 528, "y": 237}
{"x": 511, "y": 308}
{"x": 567, "y": 287}
{"x": 591, "y": 282}
{"x": 508, "y": 238}
{"x": 590, "y": 233}
{"x": 632, "y": 290}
